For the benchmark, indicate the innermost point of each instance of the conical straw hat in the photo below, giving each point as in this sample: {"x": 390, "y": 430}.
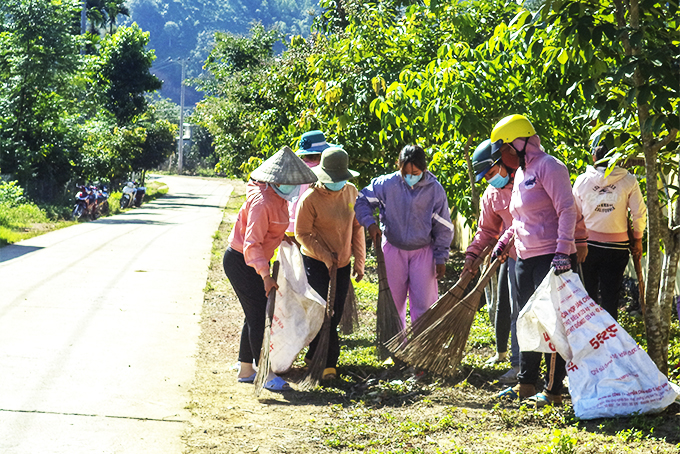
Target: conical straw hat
{"x": 284, "y": 168}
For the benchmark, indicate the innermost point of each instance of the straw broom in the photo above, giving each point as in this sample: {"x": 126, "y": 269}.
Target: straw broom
{"x": 440, "y": 347}
{"x": 264, "y": 364}
{"x": 388, "y": 320}
{"x": 445, "y": 302}
{"x": 318, "y": 363}
{"x": 637, "y": 263}
{"x": 350, "y": 318}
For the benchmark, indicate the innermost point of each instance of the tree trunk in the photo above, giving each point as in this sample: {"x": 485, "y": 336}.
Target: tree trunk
{"x": 474, "y": 194}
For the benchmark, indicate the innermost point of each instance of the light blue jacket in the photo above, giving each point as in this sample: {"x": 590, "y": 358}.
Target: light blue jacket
{"x": 410, "y": 218}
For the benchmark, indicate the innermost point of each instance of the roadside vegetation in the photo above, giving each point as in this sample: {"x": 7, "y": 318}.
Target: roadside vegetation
{"x": 21, "y": 219}
{"x": 382, "y": 407}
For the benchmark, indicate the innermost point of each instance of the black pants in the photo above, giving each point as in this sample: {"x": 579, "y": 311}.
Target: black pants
{"x": 529, "y": 274}
{"x": 603, "y": 271}
{"x": 506, "y": 314}
{"x": 317, "y": 275}
{"x": 249, "y": 289}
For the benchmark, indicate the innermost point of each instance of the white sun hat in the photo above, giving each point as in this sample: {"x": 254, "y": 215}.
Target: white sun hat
{"x": 284, "y": 167}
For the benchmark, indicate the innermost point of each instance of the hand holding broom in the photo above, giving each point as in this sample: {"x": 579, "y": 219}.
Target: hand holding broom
{"x": 264, "y": 364}
{"x": 440, "y": 347}
{"x": 445, "y": 302}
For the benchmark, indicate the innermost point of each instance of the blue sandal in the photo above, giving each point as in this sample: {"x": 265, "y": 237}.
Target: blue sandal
{"x": 247, "y": 379}
{"x": 508, "y": 393}
{"x": 277, "y": 384}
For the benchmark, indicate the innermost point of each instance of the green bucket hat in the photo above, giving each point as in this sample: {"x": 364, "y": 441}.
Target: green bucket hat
{"x": 283, "y": 167}
{"x": 333, "y": 166}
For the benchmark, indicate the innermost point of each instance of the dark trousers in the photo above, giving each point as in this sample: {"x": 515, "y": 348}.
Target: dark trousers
{"x": 603, "y": 271}
{"x": 249, "y": 289}
{"x": 529, "y": 274}
{"x": 318, "y": 278}
{"x": 506, "y": 314}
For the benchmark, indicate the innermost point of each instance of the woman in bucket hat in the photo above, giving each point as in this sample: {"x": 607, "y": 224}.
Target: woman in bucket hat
{"x": 415, "y": 219}
{"x": 311, "y": 145}
{"x": 258, "y": 231}
{"x": 329, "y": 234}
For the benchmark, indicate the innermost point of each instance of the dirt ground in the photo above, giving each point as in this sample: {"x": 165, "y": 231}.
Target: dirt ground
{"x": 377, "y": 408}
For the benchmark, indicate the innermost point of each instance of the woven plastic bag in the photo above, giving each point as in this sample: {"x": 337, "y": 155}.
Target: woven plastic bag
{"x": 298, "y": 313}
{"x": 609, "y": 374}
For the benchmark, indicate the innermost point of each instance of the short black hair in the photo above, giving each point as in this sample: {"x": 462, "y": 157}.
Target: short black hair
{"x": 413, "y": 154}
{"x": 600, "y": 152}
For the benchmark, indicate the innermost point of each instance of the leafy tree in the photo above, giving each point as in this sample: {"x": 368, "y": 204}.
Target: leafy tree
{"x": 125, "y": 73}
{"x": 159, "y": 144}
{"x": 39, "y": 57}
{"x": 237, "y": 65}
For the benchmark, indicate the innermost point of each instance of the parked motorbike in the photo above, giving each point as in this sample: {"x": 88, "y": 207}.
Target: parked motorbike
{"x": 127, "y": 200}
{"x": 86, "y": 204}
{"x": 102, "y": 193}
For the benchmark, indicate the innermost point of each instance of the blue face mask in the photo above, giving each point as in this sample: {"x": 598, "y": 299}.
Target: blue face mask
{"x": 497, "y": 181}
{"x": 288, "y": 192}
{"x": 335, "y": 186}
{"x": 411, "y": 180}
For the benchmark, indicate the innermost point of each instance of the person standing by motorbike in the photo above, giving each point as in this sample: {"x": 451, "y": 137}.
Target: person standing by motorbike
{"x": 259, "y": 229}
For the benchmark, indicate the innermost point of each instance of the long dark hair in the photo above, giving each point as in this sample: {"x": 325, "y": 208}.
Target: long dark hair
{"x": 415, "y": 155}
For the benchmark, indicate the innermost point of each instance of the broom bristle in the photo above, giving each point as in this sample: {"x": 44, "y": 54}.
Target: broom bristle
{"x": 388, "y": 320}
{"x": 350, "y": 317}
{"x": 449, "y": 299}
{"x": 264, "y": 364}
{"x": 318, "y": 362}
{"x": 440, "y": 347}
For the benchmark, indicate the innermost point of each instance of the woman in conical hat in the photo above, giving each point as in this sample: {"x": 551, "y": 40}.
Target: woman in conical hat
{"x": 258, "y": 231}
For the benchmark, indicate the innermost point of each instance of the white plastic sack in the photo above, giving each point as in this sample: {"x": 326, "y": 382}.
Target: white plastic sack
{"x": 298, "y": 311}
{"x": 609, "y": 374}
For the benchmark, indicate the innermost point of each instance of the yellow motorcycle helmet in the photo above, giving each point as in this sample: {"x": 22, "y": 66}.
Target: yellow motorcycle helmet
{"x": 509, "y": 129}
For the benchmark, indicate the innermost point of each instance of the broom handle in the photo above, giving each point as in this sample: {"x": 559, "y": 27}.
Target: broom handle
{"x": 271, "y": 300}
{"x": 637, "y": 263}
{"x": 382, "y": 270}
{"x": 466, "y": 276}
{"x": 330, "y": 301}
{"x": 484, "y": 280}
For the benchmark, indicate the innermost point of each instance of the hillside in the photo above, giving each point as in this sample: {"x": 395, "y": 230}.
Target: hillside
{"x": 184, "y": 29}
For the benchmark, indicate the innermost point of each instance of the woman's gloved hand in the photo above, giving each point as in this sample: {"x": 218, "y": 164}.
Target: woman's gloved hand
{"x": 561, "y": 263}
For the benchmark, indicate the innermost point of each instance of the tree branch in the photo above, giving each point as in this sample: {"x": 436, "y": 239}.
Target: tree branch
{"x": 666, "y": 140}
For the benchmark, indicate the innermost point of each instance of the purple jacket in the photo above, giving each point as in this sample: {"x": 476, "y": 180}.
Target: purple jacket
{"x": 542, "y": 206}
{"x": 410, "y": 218}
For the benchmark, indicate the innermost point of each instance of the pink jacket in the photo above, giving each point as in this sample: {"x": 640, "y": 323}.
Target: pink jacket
{"x": 260, "y": 226}
{"x": 542, "y": 206}
{"x": 494, "y": 219}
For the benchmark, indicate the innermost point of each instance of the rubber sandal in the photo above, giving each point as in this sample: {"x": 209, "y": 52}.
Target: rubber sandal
{"x": 508, "y": 393}
{"x": 329, "y": 373}
{"x": 543, "y": 400}
{"x": 277, "y": 384}
{"x": 247, "y": 379}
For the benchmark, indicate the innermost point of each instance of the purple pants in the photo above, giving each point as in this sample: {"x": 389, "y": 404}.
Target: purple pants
{"x": 411, "y": 274}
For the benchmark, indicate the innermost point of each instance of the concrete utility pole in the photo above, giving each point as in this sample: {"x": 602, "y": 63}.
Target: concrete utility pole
{"x": 180, "y": 141}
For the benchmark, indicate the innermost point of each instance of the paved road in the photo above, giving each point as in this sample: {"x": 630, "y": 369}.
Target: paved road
{"x": 99, "y": 324}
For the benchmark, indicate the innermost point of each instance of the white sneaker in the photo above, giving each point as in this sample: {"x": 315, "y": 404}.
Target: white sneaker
{"x": 510, "y": 376}
{"x": 497, "y": 358}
